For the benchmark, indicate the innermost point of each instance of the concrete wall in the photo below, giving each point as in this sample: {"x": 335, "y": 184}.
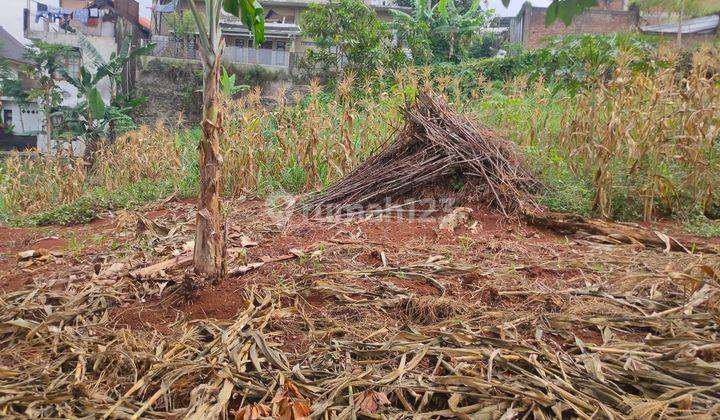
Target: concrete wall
{"x": 102, "y": 37}
{"x": 689, "y": 40}
{"x": 11, "y": 16}
{"x": 29, "y": 120}
{"x": 103, "y": 44}
{"x": 25, "y": 117}
{"x": 611, "y": 5}
{"x": 529, "y": 27}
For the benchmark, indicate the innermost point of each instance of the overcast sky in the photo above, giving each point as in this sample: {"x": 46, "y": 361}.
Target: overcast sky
{"x": 493, "y": 4}
{"x": 515, "y": 5}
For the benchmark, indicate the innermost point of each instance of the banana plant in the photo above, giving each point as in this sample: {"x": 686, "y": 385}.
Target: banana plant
{"x": 87, "y": 117}
{"x": 210, "y": 242}
{"x": 422, "y": 12}
{"x": 441, "y": 18}
{"x": 116, "y": 64}
{"x": 459, "y": 26}
{"x": 414, "y": 29}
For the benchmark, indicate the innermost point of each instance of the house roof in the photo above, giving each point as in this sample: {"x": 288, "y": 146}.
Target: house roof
{"x": 145, "y": 22}
{"x": 284, "y": 30}
{"x": 11, "y": 48}
{"x": 701, "y": 25}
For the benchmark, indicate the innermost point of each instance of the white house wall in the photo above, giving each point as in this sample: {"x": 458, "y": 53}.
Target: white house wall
{"x": 104, "y": 45}
{"x": 26, "y": 118}
{"x": 11, "y": 16}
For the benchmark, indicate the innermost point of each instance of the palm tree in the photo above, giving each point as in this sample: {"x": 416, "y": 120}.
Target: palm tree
{"x": 208, "y": 257}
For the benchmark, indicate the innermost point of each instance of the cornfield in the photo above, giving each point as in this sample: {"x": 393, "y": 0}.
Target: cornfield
{"x": 659, "y": 132}
{"x": 646, "y": 138}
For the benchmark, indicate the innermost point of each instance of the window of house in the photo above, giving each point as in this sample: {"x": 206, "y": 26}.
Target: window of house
{"x": 274, "y": 17}
{"x": 7, "y": 117}
{"x": 72, "y": 65}
{"x": 280, "y": 45}
{"x": 267, "y": 45}
{"x": 239, "y": 42}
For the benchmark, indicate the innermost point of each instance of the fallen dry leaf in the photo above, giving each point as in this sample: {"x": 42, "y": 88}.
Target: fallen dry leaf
{"x": 370, "y": 401}
{"x": 26, "y": 255}
{"x": 291, "y": 404}
{"x": 252, "y": 412}
{"x": 246, "y": 242}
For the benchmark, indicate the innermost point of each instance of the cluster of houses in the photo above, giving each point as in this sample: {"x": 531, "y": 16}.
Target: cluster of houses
{"x": 106, "y": 23}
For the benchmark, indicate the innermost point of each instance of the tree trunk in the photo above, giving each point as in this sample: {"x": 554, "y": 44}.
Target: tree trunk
{"x": 47, "y": 110}
{"x": 93, "y": 143}
{"x": 49, "y": 129}
{"x": 451, "y": 50}
{"x": 680, "y": 20}
{"x": 209, "y": 256}
{"x": 613, "y": 233}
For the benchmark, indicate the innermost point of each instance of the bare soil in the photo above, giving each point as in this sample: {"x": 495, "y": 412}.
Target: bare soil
{"x": 346, "y": 296}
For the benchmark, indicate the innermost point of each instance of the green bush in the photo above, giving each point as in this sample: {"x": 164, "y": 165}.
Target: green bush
{"x": 569, "y": 63}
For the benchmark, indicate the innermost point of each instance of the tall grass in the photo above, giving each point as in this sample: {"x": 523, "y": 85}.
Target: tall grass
{"x": 145, "y": 164}
{"x": 653, "y": 136}
{"x": 304, "y": 146}
{"x": 632, "y": 144}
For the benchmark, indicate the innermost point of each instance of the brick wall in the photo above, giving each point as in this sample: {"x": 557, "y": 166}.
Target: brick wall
{"x": 592, "y": 21}
{"x": 611, "y": 4}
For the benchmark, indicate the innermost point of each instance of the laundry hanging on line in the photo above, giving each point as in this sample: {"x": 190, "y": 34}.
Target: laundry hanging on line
{"x": 41, "y": 12}
{"x": 167, "y": 8}
{"x": 81, "y": 15}
{"x": 88, "y": 16}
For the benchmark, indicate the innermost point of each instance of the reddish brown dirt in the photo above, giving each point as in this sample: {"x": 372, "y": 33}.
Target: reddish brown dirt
{"x": 88, "y": 239}
{"x": 354, "y": 246}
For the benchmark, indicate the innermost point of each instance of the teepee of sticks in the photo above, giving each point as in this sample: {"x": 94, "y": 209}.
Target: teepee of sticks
{"x": 435, "y": 145}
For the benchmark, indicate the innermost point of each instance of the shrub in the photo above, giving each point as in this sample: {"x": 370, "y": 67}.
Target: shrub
{"x": 570, "y": 63}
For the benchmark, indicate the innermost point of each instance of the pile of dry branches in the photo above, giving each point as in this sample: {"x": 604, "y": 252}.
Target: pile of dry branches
{"x": 435, "y": 145}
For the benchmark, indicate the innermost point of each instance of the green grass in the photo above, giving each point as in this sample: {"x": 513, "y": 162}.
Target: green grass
{"x": 87, "y": 208}
{"x": 700, "y": 225}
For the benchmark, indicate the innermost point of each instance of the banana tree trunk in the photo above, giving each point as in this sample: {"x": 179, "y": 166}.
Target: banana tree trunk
{"x": 209, "y": 256}
{"x": 451, "y": 50}
{"x": 49, "y": 129}
{"x": 47, "y": 109}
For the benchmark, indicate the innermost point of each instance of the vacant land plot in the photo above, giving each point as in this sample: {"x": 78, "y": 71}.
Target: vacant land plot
{"x": 355, "y": 317}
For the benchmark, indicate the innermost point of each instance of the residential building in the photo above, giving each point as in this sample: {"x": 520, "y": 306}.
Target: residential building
{"x": 22, "y": 126}
{"x": 609, "y": 16}
{"x": 283, "y": 40}
{"x": 11, "y": 18}
{"x": 103, "y": 24}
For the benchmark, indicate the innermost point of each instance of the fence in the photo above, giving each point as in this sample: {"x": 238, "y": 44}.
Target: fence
{"x": 239, "y": 55}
